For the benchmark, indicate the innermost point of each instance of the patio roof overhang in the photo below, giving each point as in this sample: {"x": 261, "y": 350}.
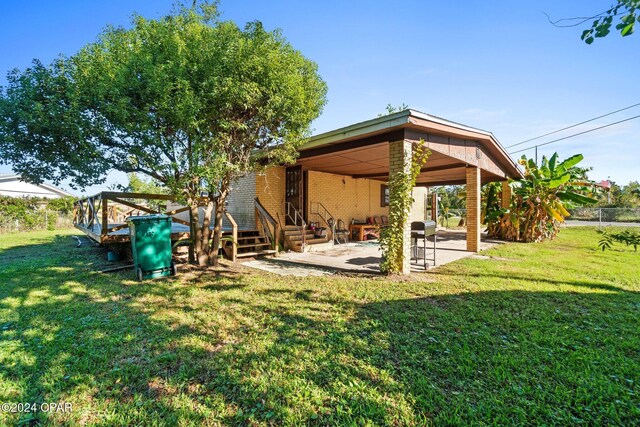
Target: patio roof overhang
{"x": 362, "y": 150}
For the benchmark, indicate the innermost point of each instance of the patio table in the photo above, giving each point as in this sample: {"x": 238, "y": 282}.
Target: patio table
{"x": 361, "y": 230}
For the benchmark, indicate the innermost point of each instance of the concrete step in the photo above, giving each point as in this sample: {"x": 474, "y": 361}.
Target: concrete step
{"x": 256, "y": 253}
{"x": 295, "y": 237}
{"x": 311, "y": 241}
{"x": 294, "y": 232}
{"x": 296, "y": 246}
{"x": 319, "y": 247}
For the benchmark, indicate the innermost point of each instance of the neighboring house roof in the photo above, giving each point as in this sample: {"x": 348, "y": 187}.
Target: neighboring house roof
{"x": 606, "y": 184}
{"x": 12, "y": 185}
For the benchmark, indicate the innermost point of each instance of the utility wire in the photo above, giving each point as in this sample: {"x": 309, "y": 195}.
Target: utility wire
{"x": 577, "y": 134}
{"x": 572, "y": 126}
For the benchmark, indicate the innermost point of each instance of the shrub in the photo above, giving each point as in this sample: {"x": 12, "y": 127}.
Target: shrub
{"x": 32, "y": 213}
{"x": 629, "y": 238}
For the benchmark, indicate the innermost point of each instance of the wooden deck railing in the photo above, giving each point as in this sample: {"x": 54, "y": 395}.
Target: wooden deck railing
{"x": 268, "y": 225}
{"x": 233, "y": 255}
{"x": 106, "y": 212}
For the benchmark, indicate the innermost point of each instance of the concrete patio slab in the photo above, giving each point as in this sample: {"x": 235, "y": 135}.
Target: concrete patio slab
{"x": 361, "y": 257}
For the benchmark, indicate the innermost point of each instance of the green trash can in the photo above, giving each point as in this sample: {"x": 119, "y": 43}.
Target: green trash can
{"x": 151, "y": 246}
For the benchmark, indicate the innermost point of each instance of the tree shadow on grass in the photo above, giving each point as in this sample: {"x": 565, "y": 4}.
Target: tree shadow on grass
{"x": 65, "y": 328}
{"x": 491, "y": 357}
{"x": 512, "y": 276}
{"x": 230, "y": 350}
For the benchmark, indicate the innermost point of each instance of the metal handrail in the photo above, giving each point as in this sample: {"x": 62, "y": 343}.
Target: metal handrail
{"x": 328, "y": 218}
{"x": 294, "y": 218}
{"x": 296, "y": 214}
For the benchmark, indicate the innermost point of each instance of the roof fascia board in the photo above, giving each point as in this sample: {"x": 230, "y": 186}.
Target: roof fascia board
{"x": 400, "y": 118}
{"x": 359, "y": 129}
{"x": 54, "y": 189}
{"x": 485, "y": 133}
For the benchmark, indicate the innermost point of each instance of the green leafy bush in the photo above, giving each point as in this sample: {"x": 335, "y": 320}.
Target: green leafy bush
{"x": 629, "y": 238}
{"x": 62, "y": 205}
{"x": 32, "y": 213}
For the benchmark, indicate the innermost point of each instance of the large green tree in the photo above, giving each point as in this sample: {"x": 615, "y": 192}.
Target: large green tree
{"x": 189, "y": 100}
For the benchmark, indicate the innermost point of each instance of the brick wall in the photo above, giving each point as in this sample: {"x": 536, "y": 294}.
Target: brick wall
{"x": 240, "y": 202}
{"x": 269, "y": 188}
{"x": 345, "y": 197}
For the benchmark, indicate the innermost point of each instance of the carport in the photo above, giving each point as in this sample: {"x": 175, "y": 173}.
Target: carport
{"x": 376, "y": 148}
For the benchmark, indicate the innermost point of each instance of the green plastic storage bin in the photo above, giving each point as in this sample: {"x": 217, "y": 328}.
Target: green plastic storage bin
{"x": 151, "y": 246}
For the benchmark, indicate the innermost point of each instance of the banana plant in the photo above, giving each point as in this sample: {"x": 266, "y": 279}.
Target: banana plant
{"x": 539, "y": 201}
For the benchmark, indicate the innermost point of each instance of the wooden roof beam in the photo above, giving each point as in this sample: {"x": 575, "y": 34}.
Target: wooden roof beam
{"x": 423, "y": 170}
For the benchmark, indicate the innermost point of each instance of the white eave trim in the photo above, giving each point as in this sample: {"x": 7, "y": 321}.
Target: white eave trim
{"x": 362, "y": 128}
{"x": 381, "y": 123}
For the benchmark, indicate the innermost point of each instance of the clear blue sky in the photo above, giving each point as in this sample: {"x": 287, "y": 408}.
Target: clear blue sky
{"x": 495, "y": 65}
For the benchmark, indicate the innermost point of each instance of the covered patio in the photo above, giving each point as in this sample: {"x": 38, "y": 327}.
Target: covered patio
{"x": 377, "y": 148}
{"x": 362, "y": 257}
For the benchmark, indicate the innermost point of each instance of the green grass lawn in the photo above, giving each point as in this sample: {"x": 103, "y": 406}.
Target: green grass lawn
{"x": 536, "y": 334}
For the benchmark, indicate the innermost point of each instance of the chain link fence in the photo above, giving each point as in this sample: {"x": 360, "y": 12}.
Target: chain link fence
{"x": 454, "y": 218}
{"x": 605, "y": 215}
{"x": 43, "y": 219}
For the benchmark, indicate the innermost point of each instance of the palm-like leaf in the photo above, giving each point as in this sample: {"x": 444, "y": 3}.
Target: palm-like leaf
{"x": 569, "y": 163}
{"x": 571, "y": 196}
{"x": 538, "y": 203}
{"x": 558, "y": 181}
{"x": 552, "y": 162}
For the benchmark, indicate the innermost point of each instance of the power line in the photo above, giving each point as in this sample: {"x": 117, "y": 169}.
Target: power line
{"x": 572, "y": 126}
{"x": 577, "y": 134}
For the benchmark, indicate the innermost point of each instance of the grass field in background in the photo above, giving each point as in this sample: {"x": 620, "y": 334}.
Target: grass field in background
{"x": 532, "y": 334}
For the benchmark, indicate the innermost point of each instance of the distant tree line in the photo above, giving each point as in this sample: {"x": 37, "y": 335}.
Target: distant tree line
{"x": 621, "y": 196}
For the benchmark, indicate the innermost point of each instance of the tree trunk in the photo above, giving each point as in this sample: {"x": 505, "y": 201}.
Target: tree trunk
{"x": 196, "y": 236}
{"x": 192, "y": 233}
{"x": 205, "y": 237}
{"x": 217, "y": 228}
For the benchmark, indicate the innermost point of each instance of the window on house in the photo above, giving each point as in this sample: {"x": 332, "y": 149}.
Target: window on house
{"x": 384, "y": 195}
